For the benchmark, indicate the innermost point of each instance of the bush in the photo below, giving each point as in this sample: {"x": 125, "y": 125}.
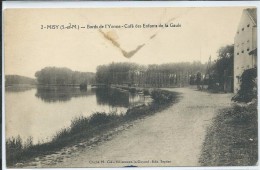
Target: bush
{"x": 61, "y": 134}
{"x": 146, "y": 92}
{"x": 161, "y": 97}
{"x": 79, "y": 124}
{"x": 137, "y": 111}
{"x": 248, "y": 87}
{"x": 99, "y": 118}
{"x": 14, "y": 148}
{"x": 28, "y": 143}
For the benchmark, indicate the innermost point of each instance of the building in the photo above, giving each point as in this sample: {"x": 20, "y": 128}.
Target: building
{"x": 245, "y": 45}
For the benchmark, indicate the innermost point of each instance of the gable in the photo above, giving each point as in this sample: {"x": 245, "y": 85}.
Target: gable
{"x": 246, "y": 21}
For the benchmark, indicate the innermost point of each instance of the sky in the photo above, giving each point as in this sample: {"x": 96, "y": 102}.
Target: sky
{"x": 28, "y": 48}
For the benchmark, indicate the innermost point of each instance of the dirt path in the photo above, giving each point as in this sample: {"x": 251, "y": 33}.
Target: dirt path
{"x": 172, "y": 137}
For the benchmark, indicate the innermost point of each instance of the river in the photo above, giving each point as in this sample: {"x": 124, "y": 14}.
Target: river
{"x": 41, "y": 112}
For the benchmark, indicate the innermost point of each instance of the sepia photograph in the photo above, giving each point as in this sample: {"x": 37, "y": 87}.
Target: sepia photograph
{"x": 130, "y": 87}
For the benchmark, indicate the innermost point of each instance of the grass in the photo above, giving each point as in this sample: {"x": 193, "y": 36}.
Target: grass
{"x": 232, "y": 139}
{"x": 84, "y": 128}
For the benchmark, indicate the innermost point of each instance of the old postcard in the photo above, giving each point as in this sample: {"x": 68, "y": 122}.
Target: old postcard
{"x": 130, "y": 87}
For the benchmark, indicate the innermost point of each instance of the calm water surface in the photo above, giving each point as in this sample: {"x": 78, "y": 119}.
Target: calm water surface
{"x": 41, "y": 112}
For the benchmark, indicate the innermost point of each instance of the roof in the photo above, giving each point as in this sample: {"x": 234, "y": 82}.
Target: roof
{"x": 252, "y": 14}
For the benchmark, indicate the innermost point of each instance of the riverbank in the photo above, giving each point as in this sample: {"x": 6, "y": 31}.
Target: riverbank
{"x": 87, "y": 129}
{"x": 171, "y": 137}
{"x": 232, "y": 138}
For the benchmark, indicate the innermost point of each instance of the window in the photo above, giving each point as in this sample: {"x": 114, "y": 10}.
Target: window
{"x": 242, "y": 29}
{"x": 247, "y": 49}
{"x": 242, "y": 51}
{"x": 237, "y": 53}
{"x": 248, "y": 25}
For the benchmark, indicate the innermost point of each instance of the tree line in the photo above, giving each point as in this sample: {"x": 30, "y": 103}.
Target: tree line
{"x": 218, "y": 74}
{"x": 163, "y": 75}
{"x": 63, "y": 76}
{"x": 18, "y": 80}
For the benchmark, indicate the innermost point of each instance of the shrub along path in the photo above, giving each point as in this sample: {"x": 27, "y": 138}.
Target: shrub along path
{"x": 173, "y": 137}
{"x": 232, "y": 138}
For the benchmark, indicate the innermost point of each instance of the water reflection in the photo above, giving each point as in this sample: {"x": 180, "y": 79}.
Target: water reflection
{"x": 120, "y": 98}
{"x": 15, "y": 89}
{"x": 28, "y": 116}
{"x": 112, "y": 97}
{"x": 61, "y": 94}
